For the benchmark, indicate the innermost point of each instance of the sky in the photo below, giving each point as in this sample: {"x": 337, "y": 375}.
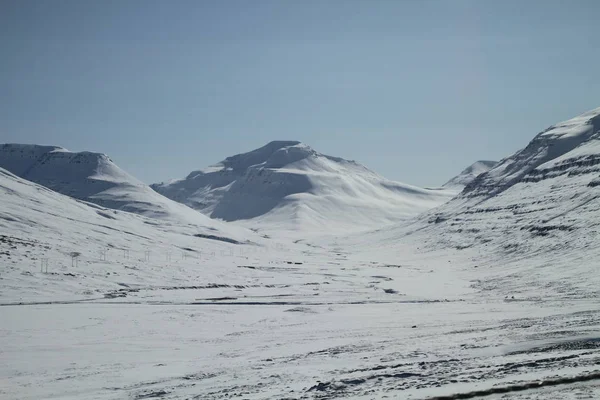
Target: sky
{"x": 415, "y": 90}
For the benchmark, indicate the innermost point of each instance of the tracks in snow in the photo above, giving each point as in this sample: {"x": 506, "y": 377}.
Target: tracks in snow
{"x": 522, "y": 387}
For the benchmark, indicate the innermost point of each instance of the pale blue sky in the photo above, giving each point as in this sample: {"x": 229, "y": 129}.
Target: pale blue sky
{"x": 415, "y": 90}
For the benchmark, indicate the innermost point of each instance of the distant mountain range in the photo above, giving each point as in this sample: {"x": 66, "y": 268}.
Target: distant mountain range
{"x": 548, "y": 187}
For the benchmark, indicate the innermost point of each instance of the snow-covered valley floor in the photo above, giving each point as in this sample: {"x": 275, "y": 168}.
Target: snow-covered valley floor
{"x": 104, "y": 304}
{"x": 293, "y": 322}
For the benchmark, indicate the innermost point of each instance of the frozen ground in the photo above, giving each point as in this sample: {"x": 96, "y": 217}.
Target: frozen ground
{"x": 332, "y": 327}
{"x": 291, "y": 321}
{"x": 152, "y": 311}
{"x": 365, "y": 316}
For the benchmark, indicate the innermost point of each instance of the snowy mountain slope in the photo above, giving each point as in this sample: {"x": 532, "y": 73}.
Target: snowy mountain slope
{"x": 555, "y": 142}
{"x": 330, "y": 320}
{"x": 37, "y": 223}
{"x": 95, "y": 178}
{"x": 469, "y": 174}
{"x": 553, "y": 178}
{"x": 533, "y": 219}
{"x": 288, "y": 185}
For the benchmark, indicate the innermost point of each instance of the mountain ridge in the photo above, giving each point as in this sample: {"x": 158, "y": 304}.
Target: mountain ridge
{"x": 553, "y": 142}
{"x": 543, "y": 196}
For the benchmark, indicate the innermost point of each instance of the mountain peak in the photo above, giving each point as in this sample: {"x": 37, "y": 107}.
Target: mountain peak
{"x": 26, "y": 159}
{"x": 552, "y": 144}
{"x": 469, "y": 174}
{"x": 481, "y": 164}
{"x": 287, "y": 183}
{"x": 274, "y": 154}
{"x": 282, "y": 143}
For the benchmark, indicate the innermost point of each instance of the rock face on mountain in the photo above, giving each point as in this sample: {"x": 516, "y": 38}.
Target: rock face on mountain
{"x": 93, "y": 177}
{"x": 469, "y": 174}
{"x": 287, "y": 184}
{"x": 544, "y": 197}
{"x": 550, "y": 149}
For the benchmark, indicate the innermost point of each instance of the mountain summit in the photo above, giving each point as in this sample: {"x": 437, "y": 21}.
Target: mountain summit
{"x": 469, "y": 174}
{"x": 288, "y": 184}
{"x": 556, "y": 144}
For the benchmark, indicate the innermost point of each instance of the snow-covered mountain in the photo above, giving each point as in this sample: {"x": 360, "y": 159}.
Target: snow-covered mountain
{"x": 541, "y": 204}
{"x": 37, "y": 223}
{"x": 287, "y": 184}
{"x": 95, "y": 178}
{"x": 548, "y": 190}
{"x": 469, "y": 174}
{"x": 531, "y": 224}
{"x": 564, "y": 148}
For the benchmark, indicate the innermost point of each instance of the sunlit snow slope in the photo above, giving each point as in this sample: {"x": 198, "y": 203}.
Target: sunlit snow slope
{"x": 95, "y": 178}
{"x": 288, "y": 185}
{"x": 37, "y": 223}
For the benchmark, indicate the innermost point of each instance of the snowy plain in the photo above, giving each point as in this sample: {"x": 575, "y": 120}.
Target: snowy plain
{"x": 491, "y": 295}
{"x": 250, "y": 321}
